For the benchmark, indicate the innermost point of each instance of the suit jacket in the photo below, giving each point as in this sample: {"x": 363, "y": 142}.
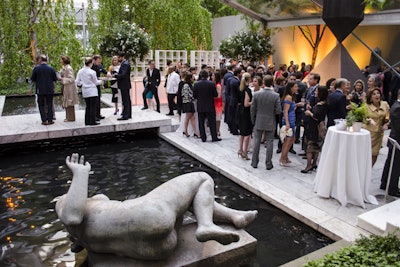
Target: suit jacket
{"x": 44, "y": 76}
{"x": 264, "y": 107}
{"x": 154, "y": 80}
{"x": 336, "y": 107}
{"x": 99, "y": 69}
{"x": 301, "y": 91}
{"x": 124, "y": 75}
{"x": 205, "y": 91}
{"x": 395, "y": 121}
{"x": 227, "y": 92}
{"x": 234, "y": 85}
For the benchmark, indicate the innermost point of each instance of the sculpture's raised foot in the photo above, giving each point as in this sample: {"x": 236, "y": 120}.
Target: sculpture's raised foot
{"x": 243, "y": 218}
{"x": 214, "y": 232}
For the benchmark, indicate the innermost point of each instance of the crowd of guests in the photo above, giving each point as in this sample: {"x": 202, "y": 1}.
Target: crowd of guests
{"x": 263, "y": 103}
{"x": 257, "y": 103}
{"x": 43, "y": 78}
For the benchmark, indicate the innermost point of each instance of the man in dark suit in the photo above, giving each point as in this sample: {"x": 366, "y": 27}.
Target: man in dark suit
{"x": 226, "y": 90}
{"x": 153, "y": 80}
{"x": 337, "y": 103}
{"x": 204, "y": 91}
{"x": 264, "y": 107}
{"x": 44, "y": 77}
{"x": 98, "y": 68}
{"x": 234, "y": 88}
{"x": 301, "y": 92}
{"x": 395, "y": 134}
{"x": 124, "y": 84}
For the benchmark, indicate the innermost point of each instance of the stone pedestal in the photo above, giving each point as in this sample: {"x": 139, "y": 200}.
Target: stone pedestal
{"x": 190, "y": 252}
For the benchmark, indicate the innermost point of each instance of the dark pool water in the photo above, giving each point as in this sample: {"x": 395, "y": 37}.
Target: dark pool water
{"x": 124, "y": 166}
{"x": 27, "y": 105}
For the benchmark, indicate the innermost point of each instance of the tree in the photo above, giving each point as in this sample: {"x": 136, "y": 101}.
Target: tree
{"x": 218, "y": 9}
{"x": 28, "y": 28}
{"x": 125, "y": 37}
{"x": 171, "y": 24}
{"x": 250, "y": 46}
{"x": 313, "y": 40}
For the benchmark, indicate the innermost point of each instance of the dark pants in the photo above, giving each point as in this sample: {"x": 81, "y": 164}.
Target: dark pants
{"x": 171, "y": 103}
{"x": 90, "y": 111}
{"x": 394, "y": 178}
{"x": 226, "y": 111}
{"x": 98, "y": 115}
{"x": 154, "y": 90}
{"x": 232, "y": 120}
{"x": 210, "y": 116}
{"x": 45, "y": 103}
{"x": 299, "y": 116}
{"x": 126, "y": 102}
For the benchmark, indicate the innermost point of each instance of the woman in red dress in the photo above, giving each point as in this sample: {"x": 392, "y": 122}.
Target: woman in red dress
{"x": 216, "y": 77}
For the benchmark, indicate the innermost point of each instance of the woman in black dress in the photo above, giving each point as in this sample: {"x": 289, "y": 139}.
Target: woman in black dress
{"x": 314, "y": 140}
{"x": 188, "y": 104}
{"x": 245, "y": 125}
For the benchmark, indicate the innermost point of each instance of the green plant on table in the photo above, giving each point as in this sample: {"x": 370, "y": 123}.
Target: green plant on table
{"x": 357, "y": 114}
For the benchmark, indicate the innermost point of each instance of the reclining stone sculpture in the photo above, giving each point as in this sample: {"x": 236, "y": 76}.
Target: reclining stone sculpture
{"x": 145, "y": 227}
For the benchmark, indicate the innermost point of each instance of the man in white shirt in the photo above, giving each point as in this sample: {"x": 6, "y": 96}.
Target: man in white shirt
{"x": 172, "y": 88}
{"x": 87, "y": 78}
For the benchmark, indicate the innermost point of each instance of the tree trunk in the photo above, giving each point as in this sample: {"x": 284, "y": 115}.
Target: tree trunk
{"x": 32, "y": 32}
{"x": 314, "y": 42}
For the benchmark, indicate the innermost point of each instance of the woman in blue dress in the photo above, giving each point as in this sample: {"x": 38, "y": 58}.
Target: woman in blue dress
{"x": 288, "y": 121}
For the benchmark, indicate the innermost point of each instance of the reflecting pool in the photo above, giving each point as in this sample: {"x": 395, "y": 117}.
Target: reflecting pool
{"x": 125, "y": 165}
{"x": 27, "y": 105}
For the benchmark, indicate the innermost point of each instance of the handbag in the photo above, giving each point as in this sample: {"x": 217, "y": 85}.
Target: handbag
{"x": 283, "y": 133}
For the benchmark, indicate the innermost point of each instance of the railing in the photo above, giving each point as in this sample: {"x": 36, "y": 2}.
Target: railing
{"x": 396, "y": 146}
{"x": 197, "y": 59}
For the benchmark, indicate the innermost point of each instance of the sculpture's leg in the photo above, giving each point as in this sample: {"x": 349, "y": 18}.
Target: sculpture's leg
{"x": 237, "y": 217}
{"x": 70, "y": 207}
{"x": 203, "y": 207}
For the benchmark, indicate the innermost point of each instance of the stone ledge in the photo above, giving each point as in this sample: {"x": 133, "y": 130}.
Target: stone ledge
{"x": 190, "y": 252}
{"x": 318, "y": 254}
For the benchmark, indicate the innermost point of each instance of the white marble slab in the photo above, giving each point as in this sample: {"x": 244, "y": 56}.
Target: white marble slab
{"x": 22, "y": 128}
{"x": 375, "y": 221}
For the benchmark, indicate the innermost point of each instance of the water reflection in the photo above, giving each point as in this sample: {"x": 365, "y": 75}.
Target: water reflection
{"x": 28, "y": 105}
{"x": 124, "y": 166}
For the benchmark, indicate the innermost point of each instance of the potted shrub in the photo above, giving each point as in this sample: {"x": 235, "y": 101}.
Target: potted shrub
{"x": 357, "y": 116}
{"x": 367, "y": 251}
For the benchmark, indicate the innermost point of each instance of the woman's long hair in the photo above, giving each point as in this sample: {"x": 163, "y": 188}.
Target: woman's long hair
{"x": 288, "y": 90}
{"x": 246, "y": 77}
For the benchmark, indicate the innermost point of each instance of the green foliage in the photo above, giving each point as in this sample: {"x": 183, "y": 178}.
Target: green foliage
{"x": 372, "y": 251}
{"x": 218, "y": 9}
{"x": 171, "y": 24}
{"x": 251, "y": 46}
{"x": 375, "y": 3}
{"x": 125, "y": 37}
{"x": 357, "y": 114}
{"x": 31, "y": 27}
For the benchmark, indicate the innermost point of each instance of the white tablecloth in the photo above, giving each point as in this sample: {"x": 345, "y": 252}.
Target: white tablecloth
{"x": 344, "y": 169}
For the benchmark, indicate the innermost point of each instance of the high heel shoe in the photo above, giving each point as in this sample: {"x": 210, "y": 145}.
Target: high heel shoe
{"x": 185, "y": 134}
{"x": 116, "y": 112}
{"x": 196, "y": 136}
{"x": 244, "y": 156}
{"x": 313, "y": 168}
{"x": 307, "y": 170}
{"x": 239, "y": 153}
{"x": 284, "y": 164}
